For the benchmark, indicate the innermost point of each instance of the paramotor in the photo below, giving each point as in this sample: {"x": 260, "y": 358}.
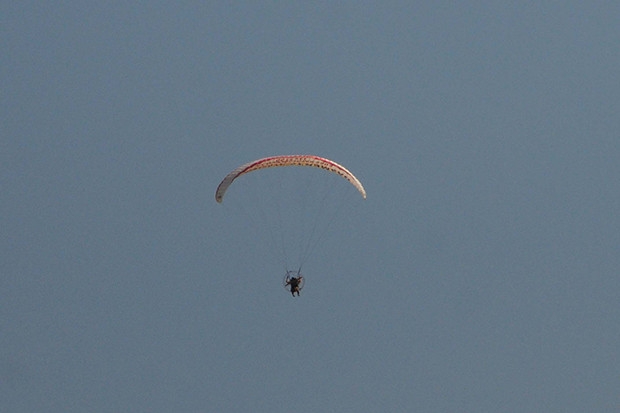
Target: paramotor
{"x": 296, "y": 220}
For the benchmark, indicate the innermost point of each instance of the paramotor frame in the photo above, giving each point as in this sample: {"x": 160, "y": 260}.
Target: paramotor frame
{"x": 293, "y": 274}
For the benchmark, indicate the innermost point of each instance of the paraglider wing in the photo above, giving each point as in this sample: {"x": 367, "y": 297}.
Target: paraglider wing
{"x": 288, "y": 160}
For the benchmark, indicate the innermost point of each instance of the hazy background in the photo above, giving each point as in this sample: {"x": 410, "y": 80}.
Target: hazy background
{"x": 480, "y": 275}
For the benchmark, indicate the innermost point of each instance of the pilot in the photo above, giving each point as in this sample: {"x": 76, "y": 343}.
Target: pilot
{"x": 294, "y": 283}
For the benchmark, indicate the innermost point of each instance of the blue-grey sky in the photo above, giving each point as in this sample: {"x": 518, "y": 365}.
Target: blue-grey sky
{"x": 480, "y": 275}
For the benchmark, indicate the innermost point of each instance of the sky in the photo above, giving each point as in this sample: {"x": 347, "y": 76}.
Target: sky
{"x": 480, "y": 274}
